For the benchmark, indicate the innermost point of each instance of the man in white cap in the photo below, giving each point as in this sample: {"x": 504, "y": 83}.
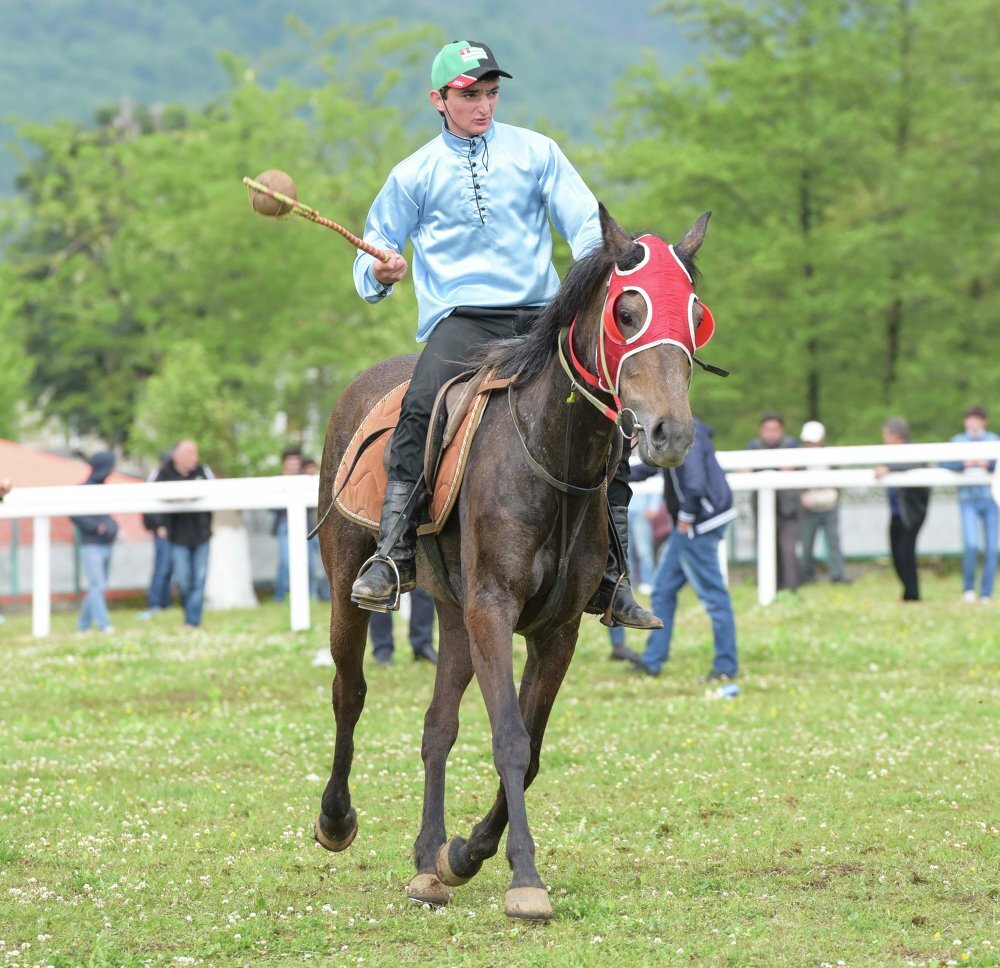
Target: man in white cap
{"x": 820, "y": 512}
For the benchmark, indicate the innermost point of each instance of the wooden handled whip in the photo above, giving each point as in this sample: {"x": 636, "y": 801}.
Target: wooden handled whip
{"x": 272, "y": 203}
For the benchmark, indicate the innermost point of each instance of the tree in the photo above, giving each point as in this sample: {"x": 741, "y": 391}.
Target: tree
{"x": 140, "y": 238}
{"x": 818, "y": 132}
{"x": 186, "y": 400}
{"x": 12, "y": 357}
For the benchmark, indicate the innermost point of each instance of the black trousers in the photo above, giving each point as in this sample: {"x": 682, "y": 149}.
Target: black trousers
{"x": 421, "y": 625}
{"x": 903, "y": 542}
{"x": 788, "y": 555}
{"x": 452, "y": 344}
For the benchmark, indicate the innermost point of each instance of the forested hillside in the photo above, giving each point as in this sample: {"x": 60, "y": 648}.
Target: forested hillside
{"x": 64, "y": 59}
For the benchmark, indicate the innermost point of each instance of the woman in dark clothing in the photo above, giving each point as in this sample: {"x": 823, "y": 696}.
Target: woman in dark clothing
{"x": 907, "y": 509}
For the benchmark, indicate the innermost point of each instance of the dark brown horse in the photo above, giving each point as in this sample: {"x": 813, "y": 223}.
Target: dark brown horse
{"x": 503, "y": 549}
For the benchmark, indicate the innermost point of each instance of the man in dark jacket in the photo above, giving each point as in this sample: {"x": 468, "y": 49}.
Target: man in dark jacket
{"x": 97, "y": 535}
{"x": 189, "y": 533}
{"x": 701, "y": 504}
{"x": 907, "y": 511}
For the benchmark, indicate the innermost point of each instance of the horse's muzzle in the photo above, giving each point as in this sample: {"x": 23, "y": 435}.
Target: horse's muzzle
{"x": 666, "y": 441}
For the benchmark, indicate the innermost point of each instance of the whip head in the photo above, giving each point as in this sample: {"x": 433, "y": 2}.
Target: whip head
{"x": 277, "y": 181}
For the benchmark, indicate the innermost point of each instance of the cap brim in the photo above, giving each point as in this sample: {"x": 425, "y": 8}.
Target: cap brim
{"x": 466, "y": 80}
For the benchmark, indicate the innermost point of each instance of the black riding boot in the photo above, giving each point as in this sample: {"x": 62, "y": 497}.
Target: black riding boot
{"x": 376, "y": 587}
{"x": 613, "y": 599}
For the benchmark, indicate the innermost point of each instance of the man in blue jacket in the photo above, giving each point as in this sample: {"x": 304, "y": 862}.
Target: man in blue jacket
{"x": 476, "y": 203}
{"x": 701, "y": 504}
{"x": 97, "y": 535}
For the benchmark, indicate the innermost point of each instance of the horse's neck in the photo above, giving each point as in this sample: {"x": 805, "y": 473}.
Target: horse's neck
{"x": 549, "y": 419}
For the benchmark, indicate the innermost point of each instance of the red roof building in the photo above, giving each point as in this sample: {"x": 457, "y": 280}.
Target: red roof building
{"x": 30, "y": 467}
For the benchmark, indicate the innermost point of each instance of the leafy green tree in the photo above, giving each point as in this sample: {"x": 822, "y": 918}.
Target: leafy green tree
{"x": 12, "y": 360}
{"x": 819, "y": 132}
{"x": 186, "y": 400}
{"x": 140, "y": 236}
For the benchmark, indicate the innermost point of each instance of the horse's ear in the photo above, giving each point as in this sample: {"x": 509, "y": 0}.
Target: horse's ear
{"x": 616, "y": 239}
{"x": 693, "y": 238}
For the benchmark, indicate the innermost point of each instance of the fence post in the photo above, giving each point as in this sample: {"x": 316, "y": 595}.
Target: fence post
{"x": 767, "y": 564}
{"x": 41, "y": 578}
{"x": 298, "y": 564}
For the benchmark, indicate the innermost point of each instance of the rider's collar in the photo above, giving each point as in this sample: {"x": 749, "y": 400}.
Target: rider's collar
{"x": 464, "y": 146}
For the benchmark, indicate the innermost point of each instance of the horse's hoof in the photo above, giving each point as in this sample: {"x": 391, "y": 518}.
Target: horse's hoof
{"x": 443, "y": 867}
{"x": 427, "y": 889}
{"x": 332, "y": 843}
{"x": 528, "y": 904}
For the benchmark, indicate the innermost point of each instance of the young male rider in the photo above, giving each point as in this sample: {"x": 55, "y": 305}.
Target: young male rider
{"x": 476, "y": 203}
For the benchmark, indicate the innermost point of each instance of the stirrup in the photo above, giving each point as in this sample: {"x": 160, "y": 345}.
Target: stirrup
{"x": 371, "y": 604}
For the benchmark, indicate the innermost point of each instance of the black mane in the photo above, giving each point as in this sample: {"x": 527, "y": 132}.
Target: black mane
{"x": 529, "y": 355}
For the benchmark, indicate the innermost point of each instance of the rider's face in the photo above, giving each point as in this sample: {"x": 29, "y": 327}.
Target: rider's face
{"x": 469, "y": 112}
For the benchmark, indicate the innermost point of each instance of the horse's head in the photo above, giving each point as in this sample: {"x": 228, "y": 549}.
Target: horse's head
{"x": 651, "y": 324}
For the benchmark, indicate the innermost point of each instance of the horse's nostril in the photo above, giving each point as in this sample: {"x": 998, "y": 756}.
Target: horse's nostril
{"x": 669, "y": 435}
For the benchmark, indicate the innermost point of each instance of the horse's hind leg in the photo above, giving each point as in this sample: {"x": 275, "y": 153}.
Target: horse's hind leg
{"x": 337, "y": 823}
{"x": 454, "y": 673}
{"x": 458, "y": 859}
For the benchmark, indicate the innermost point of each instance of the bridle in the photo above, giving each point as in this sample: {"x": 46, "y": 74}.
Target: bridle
{"x": 668, "y": 290}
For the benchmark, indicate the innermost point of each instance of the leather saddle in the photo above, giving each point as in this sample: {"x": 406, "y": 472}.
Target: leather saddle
{"x": 363, "y": 472}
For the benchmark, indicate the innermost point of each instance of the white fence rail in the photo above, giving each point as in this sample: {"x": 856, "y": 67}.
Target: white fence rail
{"x": 747, "y": 470}
{"x": 753, "y": 470}
{"x": 294, "y": 493}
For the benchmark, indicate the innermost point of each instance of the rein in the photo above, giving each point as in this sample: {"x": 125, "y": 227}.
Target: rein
{"x": 566, "y": 490}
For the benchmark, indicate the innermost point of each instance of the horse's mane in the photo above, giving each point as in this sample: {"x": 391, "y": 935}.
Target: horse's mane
{"x": 529, "y": 355}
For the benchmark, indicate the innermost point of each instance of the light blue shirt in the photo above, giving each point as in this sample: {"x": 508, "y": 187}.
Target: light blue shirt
{"x": 477, "y": 211}
{"x": 972, "y": 492}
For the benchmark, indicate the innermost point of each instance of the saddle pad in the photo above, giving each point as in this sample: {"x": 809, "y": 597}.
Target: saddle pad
{"x": 361, "y": 498}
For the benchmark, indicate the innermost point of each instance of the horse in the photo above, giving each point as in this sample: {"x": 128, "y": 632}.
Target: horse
{"x": 524, "y": 548}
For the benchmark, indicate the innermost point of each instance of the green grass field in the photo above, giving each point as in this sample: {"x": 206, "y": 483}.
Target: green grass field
{"x": 158, "y": 792}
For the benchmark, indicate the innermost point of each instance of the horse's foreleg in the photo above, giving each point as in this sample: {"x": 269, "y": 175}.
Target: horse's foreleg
{"x": 454, "y": 672}
{"x": 337, "y": 823}
{"x": 491, "y": 647}
{"x": 543, "y": 675}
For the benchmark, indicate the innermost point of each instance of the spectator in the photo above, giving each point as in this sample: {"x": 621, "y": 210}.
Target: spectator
{"x": 291, "y": 463}
{"x": 641, "y": 512}
{"x": 5, "y": 488}
{"x": 159, "y": 596}
{"x": 620, "y": 652}
{"x": 907, "y": 510}
{"x": 189, "y": 533}
{"x": 820, "y": 512}
{"x": 421, "y": 631}
{"x": 318, "y": 584}
{"x": 772, "y": 436}
{"x": 978, "y": 510}
{"x": 97, "y": 535}
{"x": 701, "y": 504}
